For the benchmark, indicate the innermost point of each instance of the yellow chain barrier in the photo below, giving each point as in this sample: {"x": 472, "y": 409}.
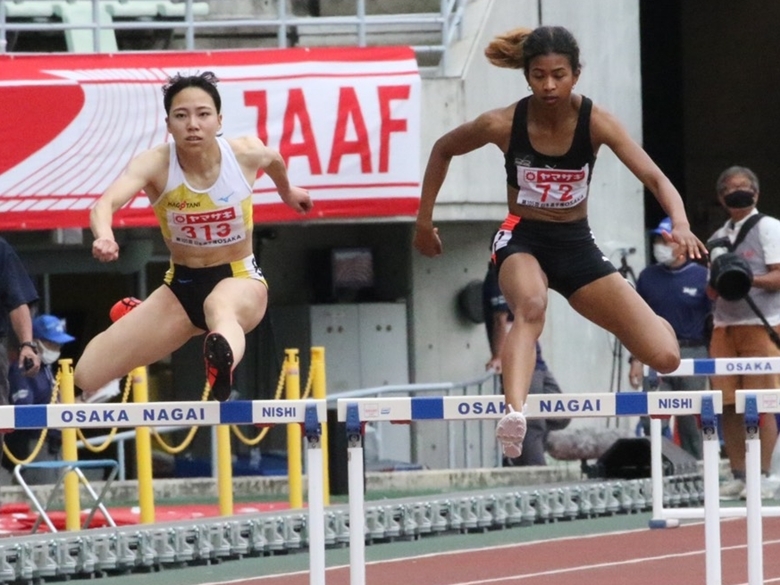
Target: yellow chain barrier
{"x": 263, "y": 432}
{"x": 110, "y": 437}
{"x": 309, "y": 382}
{"x": 175, "y": 450}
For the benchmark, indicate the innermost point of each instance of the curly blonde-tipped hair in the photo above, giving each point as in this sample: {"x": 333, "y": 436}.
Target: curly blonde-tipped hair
{"x": 516, "y": 48}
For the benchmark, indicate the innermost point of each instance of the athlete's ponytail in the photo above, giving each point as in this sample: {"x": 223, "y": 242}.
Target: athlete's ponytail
{"x": 506, "y": 50}
{"x": 516, "y": 48}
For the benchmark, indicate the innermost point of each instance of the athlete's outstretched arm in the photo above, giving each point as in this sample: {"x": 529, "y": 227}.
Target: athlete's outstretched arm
{"x": 135, "y": 178}
{"x": 257, "y": 155}
{"x": 486, "y": 128}
{"x": 606, "y": 129}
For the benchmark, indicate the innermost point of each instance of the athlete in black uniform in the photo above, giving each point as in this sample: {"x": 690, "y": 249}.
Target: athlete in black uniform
{"x": 550, "y": 141}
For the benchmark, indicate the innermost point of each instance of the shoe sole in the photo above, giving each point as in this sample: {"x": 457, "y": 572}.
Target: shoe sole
{"x": 511, "y": 438}
{"x": 218, "y": 357}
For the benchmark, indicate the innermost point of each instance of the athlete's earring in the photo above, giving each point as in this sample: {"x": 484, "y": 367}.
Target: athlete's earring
{"x": 528, "y": 87}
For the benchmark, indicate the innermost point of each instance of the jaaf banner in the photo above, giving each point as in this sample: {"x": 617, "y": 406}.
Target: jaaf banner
{"x": 346, "y": 121}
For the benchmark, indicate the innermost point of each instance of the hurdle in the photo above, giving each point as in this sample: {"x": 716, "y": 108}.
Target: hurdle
{"x": 753, "y": 403}
{"x": 309, "y": 413}
{"x": 670, "y": 517}
{"x": 356, "y": 412}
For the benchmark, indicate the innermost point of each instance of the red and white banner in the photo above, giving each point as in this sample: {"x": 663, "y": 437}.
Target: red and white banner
{"x": 346, "y": 121}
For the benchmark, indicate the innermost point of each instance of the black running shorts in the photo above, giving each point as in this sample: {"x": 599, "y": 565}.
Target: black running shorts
{"x": 192, "y": 285}
{"x": 566, "y": 251}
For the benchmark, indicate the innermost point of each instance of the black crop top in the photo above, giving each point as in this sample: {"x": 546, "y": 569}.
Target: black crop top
{"x": 550, "y": 181}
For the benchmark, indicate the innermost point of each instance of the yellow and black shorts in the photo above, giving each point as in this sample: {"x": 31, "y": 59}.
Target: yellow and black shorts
{"x": 192, "y": 285}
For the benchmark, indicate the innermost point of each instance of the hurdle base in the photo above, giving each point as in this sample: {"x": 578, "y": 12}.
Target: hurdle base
{"x": 657, "y": 523}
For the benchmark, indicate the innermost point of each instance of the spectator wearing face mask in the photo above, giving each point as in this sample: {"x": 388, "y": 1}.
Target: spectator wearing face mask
{"x": 742, "y": 330}
{"x": 676, "y": 289}
{"x": 49, "y": 336}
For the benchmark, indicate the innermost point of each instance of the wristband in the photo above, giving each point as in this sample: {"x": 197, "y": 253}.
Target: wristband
{"x": 30, "y": 344}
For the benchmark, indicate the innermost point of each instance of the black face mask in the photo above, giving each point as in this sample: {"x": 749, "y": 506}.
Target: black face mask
{"x": 739, "y": 199}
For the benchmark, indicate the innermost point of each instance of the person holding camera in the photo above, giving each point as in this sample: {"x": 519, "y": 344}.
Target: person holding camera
{"x": 676, "y": 289}
{"x": 745, "y": 285}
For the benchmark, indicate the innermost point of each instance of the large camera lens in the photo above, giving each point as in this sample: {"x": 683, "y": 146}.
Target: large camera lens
{"x": 731, "y": 276}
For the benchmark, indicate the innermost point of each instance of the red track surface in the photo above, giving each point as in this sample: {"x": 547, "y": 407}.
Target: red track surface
{"x": 642, "y": 557}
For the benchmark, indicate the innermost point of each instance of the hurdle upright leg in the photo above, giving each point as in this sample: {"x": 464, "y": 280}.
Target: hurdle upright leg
{"x": 357, "y": 538}
{"x": 428, "y": 408}
{"x": 711, "y": 456}
{"x": 659, "y": 519}
{"x": 316, "y": 497}
{"x": 753, "y": 489}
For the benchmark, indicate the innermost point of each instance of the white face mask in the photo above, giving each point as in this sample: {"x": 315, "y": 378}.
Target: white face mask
{"x": 663, "y": 254}
{"x": 48, "y": 356}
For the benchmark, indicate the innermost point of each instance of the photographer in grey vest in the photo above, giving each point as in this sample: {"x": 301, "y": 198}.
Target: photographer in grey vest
{"x": 744, "y": 322}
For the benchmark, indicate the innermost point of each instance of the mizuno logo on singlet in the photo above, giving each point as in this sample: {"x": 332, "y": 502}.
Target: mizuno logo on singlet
{"x": 227, "y": 197}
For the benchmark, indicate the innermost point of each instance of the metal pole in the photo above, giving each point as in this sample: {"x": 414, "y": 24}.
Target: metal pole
{"x": 316, "y": 530}
{"x": 445, "y": 30}
{"x": 711, "y": 455}
{"x": 120, "y": 455}
{"x": 3, "y": 39}
{"x": 753, "y": 488}
{"x": 69, "y": 452}
{"x": 357, "y": 537}
{"x": 143, "y": 449}
{"x": 657, "y": 473}
{"x": 294, "y": 463}
{"x": 225, "y": 471}
{"x": 318, "y": 390}
{"x": 96, "y": 28}
{"x": 281, "y": 34}
{"x": 361, "y": 15}
{"x": 189, "y": 16}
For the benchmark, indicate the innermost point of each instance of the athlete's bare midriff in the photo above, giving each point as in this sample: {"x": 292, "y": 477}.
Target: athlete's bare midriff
{"x": 203, "y": 258}
{"x": 575, "y": 213}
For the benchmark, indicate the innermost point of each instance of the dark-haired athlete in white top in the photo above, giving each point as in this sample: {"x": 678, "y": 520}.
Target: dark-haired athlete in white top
{"x": 200, "y": 186}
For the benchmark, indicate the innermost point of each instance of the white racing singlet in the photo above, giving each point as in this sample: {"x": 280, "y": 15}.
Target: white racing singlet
{"x": 213, "y": 217}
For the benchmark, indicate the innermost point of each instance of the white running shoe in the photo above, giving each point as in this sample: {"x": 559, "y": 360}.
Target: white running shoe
{"x": 510, "y": 432}
{"x": 732, "y": 489}
{"x": 769, "y": 488}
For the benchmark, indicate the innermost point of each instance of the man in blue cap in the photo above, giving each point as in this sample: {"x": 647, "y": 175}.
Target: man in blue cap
{"x": 676, "y": 289}
{"x": 49, "y": 336}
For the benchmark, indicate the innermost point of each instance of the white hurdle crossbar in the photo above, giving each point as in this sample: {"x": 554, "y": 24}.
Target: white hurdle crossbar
{"x": 356, "y": 412}
{"x": 670, "y": 517}
{"x": 309, "y": 413}
{"x": 726, "y": 366}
